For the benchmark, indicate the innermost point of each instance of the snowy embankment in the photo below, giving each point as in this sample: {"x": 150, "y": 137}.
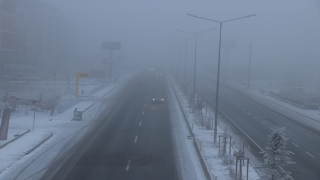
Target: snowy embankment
{"x": 29, "y": 156}
{"x": 220, "y": 167}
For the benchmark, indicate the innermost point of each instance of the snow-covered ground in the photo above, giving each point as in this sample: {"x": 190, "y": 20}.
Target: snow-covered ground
{"x": 20, "y": 161}
{"x": 204, "y": 138}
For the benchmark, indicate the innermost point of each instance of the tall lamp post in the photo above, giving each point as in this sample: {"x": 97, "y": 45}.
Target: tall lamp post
{"x": 195, "y": 59}
{"x": 185, "y": 61}
{"x": 217, "y": 91}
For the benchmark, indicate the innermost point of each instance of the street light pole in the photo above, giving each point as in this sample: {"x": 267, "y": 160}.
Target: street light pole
{"x": 217, "y": 91}
{"x": 194, "y": 71}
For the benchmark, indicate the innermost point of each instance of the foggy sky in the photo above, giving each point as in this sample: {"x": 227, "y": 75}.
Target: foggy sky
{"x": 285, "y": 34}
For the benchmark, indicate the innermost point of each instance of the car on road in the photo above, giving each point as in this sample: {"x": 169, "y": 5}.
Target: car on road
{"x": 157, "y": 100}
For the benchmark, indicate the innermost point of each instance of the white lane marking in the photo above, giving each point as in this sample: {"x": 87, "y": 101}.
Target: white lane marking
{"x": 145, "y": 104}
{"x": 263, "y": 122}
{"x": 249, "y": 113}
{"x": 310, "y": 154}
{"x": 255, "y": 117}
{"x": 243, "y": 109}
{"x": 140, "y": 123}
{"x": 238, "y": 106}
{"x": 147, "y": 98}
{"x": 233, "y": 103}
{"x": 135, "y": 139}
{"x": 295, "y": 144}
{"x": 142, "y": 112}
{"x": 128, "y": 165}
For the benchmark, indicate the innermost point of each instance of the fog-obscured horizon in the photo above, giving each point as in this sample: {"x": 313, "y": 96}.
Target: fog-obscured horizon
{"x": 284, "y": 36}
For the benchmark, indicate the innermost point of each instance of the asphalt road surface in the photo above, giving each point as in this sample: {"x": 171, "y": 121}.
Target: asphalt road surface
{"x": 134, "y": 142}
{"x": 257, "y": 121}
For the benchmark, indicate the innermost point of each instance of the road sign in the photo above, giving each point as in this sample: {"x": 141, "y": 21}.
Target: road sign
{"x": 111, "y": 45}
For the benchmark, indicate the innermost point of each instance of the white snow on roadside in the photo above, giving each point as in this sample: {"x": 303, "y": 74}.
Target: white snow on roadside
{"x": 205, "y": 140}
{"x": 188, "y": 163}
{"x": 65, "y": 132}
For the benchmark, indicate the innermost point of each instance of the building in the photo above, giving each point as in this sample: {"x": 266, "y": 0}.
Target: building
{"x": 36, "y": 32}
{"x": 7, "y": 33}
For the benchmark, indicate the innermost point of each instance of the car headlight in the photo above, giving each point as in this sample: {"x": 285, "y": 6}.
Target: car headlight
{"x": 152, "y": 99}
{"x": 162, "y": 99}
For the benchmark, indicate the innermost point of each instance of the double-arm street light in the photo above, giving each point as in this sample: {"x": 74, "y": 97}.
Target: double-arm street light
{"x": 185, "y": 61}
{"x": 217, "y": 91}
{"x": 195, "y": 59}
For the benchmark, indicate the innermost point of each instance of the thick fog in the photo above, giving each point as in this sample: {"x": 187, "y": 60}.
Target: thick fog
{"x": 284, "y": 36}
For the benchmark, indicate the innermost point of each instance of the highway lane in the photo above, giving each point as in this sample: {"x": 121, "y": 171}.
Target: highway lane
{"x": 136, "y": 143}
{"x": 257, "y": 121}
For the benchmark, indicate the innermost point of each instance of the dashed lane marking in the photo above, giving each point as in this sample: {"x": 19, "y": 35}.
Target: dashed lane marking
{"x": 147, "y": 99}
{"x": 136, "y": 139}
{"x": 255, "y": 117}
{"x": 142, "y": 112}
{"x": 140, "y": 123}
{"x": 243, "y": 109}
{"x": 263, "y": 122}
{"x": 249, "y": 113}
{"x": 310, "y": 154}
{"x": 295, "y": 144}
{"x": 145, "y": 104}
{"x": 128, "y": 165}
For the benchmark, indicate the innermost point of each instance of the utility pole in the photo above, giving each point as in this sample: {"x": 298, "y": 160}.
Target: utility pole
{"x": 249, "y": 73}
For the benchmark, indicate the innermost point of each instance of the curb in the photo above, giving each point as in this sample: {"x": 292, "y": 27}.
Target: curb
{"x": 3, "y": 145}
{"x": 39, "y": 144}
{"x": 195, "y": 143}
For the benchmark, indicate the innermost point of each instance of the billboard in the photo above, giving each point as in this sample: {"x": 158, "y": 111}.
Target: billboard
{"x": 111, "y": 45}
{"x": 5, "y": 124}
